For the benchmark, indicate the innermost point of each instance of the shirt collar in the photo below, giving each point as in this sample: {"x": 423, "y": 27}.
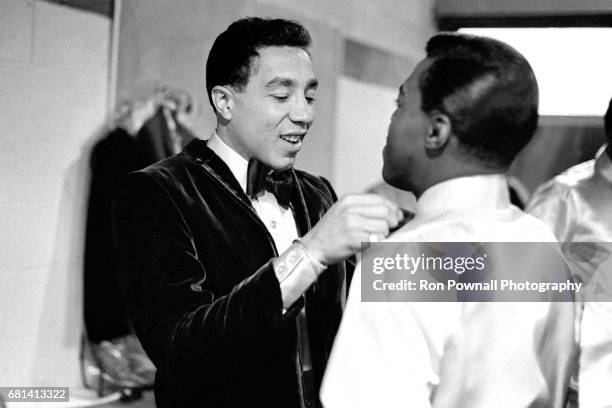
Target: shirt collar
{"x": 603, "y": 164}
{"x": 236, "y": 163}
{"x": 472, "y": 192}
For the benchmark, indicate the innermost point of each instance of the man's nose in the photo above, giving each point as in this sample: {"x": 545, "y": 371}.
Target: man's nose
{"x": 302, "y": 111}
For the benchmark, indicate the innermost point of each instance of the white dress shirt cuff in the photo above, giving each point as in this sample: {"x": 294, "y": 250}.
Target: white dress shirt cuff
{"x": 296, "y": 270}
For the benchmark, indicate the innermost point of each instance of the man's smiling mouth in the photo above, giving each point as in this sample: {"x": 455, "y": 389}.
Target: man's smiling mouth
{"x": 293, "y": 138}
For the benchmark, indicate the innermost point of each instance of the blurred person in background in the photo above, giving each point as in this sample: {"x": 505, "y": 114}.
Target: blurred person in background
{"x": 577, "y": 205}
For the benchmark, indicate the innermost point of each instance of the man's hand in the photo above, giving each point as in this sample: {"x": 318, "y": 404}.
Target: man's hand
{"x": 354, "y": 219}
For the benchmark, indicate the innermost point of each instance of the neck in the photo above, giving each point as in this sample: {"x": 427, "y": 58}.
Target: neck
{"x": 451, "y": 170}
{"x": 225, "y": 135}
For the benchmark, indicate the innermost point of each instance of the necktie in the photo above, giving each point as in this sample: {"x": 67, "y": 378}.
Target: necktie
{"x": 260, "y": 177}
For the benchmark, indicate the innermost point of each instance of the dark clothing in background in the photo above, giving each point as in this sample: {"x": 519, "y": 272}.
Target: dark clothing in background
{"x": 113, "y": 157}
{"x": 203, "y": 295}
{"x": 153, "y": 142}
{"x": 105, "y": 315}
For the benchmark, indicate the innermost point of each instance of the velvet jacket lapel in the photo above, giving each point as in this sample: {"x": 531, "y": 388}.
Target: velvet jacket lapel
{"x": 221, "y": 172}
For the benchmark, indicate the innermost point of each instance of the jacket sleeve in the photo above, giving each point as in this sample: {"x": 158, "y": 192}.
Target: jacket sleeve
{"x": 175, "y": 316}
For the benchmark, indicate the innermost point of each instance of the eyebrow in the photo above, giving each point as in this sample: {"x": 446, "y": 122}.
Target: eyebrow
{"x": 287, "y": 82}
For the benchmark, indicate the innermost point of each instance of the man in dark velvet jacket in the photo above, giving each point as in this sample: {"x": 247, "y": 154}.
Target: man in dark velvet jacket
{"x": 232, "y": 307}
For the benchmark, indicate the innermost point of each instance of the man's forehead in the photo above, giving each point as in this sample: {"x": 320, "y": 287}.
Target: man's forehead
{"x": 283, "y": 66}
{"x": 277, "y": 57}
{"x": 280, "y": 49}
{"x": 412, "y": 81}
{"x": 421, "y": 67}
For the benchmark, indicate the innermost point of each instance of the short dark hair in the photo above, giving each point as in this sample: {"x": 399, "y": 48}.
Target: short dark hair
{"x": 487, "y": 89}
{"x": 230, "y": 61}
{"x": 608, "y": 122}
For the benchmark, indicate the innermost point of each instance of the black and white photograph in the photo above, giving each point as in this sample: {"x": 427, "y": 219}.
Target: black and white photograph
{"x": 306, "y": 204}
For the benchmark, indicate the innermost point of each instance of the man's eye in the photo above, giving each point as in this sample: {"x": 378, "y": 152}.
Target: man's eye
{"x": 281, "y": 98}
{"x": 310, "y": 99}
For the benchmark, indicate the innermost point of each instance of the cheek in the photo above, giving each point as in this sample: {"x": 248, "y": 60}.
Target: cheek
{"x": 396, "y": 132}
{"x": 261, "y": 124}
{"x": 269, "y": 119}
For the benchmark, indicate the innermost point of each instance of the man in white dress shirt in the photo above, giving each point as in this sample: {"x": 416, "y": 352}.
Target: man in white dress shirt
{"x": 462, "y": 116}
{"x": 577, "y": 205}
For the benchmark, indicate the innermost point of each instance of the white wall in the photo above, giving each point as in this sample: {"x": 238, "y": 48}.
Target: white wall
{"x": 362, "y": 120}
{"x": 399, "y": 30}
{"x": 397, "y": 26}
{"x": 53, "y": 77}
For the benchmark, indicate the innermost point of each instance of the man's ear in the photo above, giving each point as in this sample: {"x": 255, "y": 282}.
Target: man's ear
{"x": 223, "y": 100}
{"x": 440, "y": 131}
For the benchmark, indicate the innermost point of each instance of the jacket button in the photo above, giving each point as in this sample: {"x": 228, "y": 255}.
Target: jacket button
{"x": 196, "y": 288}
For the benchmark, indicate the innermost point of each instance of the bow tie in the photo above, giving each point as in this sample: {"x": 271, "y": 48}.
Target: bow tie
{"x": 260, "y": 177}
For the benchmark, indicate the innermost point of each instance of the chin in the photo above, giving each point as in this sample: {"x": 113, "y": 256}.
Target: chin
{"x": 387, "y": 176}
{"x": 281, "y": 164}
{"x": 397, "y": 180}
